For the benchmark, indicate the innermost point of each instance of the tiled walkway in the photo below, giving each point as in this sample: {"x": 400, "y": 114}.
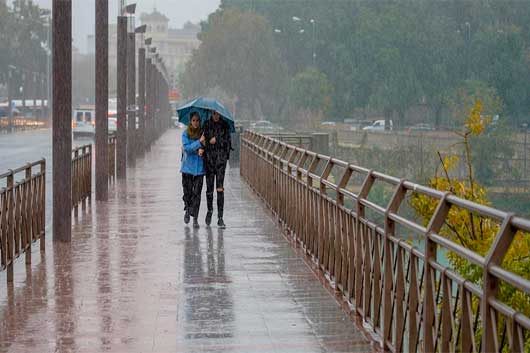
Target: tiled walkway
{"x": 136, "y": 279}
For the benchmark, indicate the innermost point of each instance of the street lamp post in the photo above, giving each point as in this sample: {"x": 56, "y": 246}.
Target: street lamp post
{"x": 313, "y": 39}
{"x": 313, "y": 22}
{"x": 131, "y": 86}
{"x": 121, "y": 144}
{"x": 10, "y": 97}
{"x": 62, "y": 116}
{"x": 140, "y": 137}
{"x": 102, "y": 99}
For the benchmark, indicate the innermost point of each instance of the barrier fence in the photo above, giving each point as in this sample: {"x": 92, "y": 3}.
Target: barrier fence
{"x": 412, "y": 299}
{"x": 112, "y": 158}
{"x": 81, "y": 176}
{"x": 22, "y": 213}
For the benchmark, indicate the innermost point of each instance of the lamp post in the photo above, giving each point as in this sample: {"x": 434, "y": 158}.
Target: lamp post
{"x": 62, "y": 116}
{"x": 121, "y": 143}
{"x": 313, "y": 22}
{"x": 102, "y": 99}
{"x": 131, "y": 86}
{"x": 140, "y": 137}
{"x": 10, "y": 97}
{"x": 313, "y": 41}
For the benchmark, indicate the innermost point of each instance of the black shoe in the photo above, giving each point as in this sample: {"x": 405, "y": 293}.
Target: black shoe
{"x": 221, "y": 224}
{"x": 187, "y": 217}
{"x": 195, "y": 223}
{"x": 208, "y": 218}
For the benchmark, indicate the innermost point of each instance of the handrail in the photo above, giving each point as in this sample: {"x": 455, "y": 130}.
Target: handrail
{"x": 412, "y": 300}
{"x": 22, "y": 213}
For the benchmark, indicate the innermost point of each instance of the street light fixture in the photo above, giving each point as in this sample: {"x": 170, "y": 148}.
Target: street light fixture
{"x": 313, "y": 44}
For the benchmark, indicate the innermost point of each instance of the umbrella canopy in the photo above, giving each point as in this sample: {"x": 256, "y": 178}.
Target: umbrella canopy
{"x": 204, "y": 106}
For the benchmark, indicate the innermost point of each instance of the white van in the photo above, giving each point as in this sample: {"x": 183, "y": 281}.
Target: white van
{"x": 84, "y": 122}
{"x": 379, "y": 125}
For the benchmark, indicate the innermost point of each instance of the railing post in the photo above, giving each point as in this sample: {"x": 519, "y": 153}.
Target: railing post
{"x": 324, "y": 230}
{"x": 429, "y": 301}
{"x": 28, "y": 214}
{"x": 344, "y": 240}
{"x": 363, "y": 307}
{"x": 62, "y": 116}
{"x": 42, "y": 206}
{"x": 76, "y": 182}
{"x": 495, "y": 256}
{"x": 388, "y": 284}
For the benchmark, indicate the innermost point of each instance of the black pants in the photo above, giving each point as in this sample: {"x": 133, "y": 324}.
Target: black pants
{"x": 192, "y": 186}
{"x": 216, "y": 175}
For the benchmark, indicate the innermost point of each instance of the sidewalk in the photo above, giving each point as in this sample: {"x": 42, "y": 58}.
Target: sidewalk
{"x": 136, "y": 279}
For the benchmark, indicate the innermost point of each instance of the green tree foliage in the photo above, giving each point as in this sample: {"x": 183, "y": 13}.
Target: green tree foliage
{"x": 23, "y": 34}
{"x": 467, "y": 228}
{"x": 311, "y": 90}
{"x": 237, "y": 54}
{"x": 392, "y": 56}
{"x": 463, "y": 99}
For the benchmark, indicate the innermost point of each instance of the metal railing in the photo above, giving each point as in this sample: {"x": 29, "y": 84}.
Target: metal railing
{"x": 410, "y": 298}
{"x": 304, "y": 141}
{"x": 81, "y": 176}
{"x": 112, "y": 158}
{"x": 22, "y": 213}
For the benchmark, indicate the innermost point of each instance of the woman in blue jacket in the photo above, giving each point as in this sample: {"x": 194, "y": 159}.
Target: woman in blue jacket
{"x": 192, "y": 168}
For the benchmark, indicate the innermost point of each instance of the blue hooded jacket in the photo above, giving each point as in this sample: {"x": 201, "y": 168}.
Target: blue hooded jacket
{"x": 192, "y": 163}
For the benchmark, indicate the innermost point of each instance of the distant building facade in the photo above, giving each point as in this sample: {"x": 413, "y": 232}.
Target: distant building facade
{"x": 175, "y": 46}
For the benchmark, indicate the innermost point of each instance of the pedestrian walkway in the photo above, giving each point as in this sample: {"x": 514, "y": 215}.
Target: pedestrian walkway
{"x": 136, "y": 279}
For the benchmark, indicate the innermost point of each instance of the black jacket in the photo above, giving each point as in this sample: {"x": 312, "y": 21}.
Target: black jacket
{"x": 219, "y": 153}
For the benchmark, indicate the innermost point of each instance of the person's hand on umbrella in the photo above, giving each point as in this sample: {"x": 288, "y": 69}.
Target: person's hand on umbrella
{"x": 213, "y": 141}
{"x": 202, "y": 139}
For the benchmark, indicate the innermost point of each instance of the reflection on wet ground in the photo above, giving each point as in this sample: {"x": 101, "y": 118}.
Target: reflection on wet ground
{"x": 135, "y": 279}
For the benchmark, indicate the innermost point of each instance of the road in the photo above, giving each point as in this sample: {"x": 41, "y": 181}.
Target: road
{"x": 18, "y": 148}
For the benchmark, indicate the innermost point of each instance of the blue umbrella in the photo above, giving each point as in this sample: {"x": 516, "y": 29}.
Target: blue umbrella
{"x": 204, "y": 106}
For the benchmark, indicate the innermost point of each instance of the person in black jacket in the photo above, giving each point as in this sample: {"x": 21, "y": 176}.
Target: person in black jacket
{"x": 216, "y": 154}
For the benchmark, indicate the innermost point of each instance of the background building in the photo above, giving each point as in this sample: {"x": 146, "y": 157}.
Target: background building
{"x": 174, "y": 45}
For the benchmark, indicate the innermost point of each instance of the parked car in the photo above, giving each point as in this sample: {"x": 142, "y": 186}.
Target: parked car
{"x": 328, "y": 124}
{"x": 379, "y": 125}
{"x": 421, "y": 127}
{"x": 265, "y": 126}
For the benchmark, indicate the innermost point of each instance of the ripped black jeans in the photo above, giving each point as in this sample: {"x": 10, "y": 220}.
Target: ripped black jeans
{"x": 192, "y": 187}
{"x": 216, "y": 176}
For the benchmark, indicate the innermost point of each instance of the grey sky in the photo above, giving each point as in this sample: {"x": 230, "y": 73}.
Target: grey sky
{"x": 178, "y": 11}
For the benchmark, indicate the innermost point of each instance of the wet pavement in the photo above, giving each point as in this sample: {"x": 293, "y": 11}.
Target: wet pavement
{"x": 136, "y": 279}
